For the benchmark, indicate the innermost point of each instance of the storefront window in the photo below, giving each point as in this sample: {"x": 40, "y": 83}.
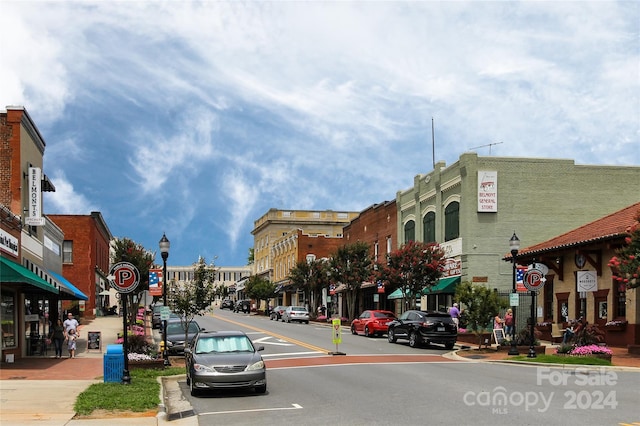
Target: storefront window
{"x": 9, "y": 321}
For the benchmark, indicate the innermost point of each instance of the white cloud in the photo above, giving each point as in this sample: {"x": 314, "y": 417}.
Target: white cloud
{"x": 66, "y": 200}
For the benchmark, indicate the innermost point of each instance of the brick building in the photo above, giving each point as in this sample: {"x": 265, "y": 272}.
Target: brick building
{"x": 85, "y": 257}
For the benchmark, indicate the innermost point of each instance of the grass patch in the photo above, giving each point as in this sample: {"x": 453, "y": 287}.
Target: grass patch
{"x": 554, "y": 359}
{"x": 141, "y": 395}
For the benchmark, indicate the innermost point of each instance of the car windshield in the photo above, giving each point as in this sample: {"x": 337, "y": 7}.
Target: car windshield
{"x": 177, "y": 328}
{"x": 224, "y": 344}
{"x": 383, "y": 315}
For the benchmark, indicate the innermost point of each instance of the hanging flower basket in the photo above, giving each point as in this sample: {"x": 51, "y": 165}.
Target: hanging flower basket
{"x": 616, "y": 326}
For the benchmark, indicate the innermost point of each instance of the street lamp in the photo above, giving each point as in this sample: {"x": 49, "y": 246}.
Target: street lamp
{"x": 164, "y": 252}
{"x": 514, "y": 246}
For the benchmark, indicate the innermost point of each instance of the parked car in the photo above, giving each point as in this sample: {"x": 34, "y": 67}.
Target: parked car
{"x": 224, "y": 360}
{"x": 424, "y": 327}
{"x": 242, "y": 305}
{"x": 227, "y": 304}
{"x": 155, "y": 316}
{"x": 276, "y": 313}
{"x": 296, "y": 313}
{"x": 372, "y": 322}
{"x": 176, "y": 335}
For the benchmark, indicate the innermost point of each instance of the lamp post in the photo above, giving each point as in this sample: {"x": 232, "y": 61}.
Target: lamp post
{"x": 514, "y": 246}
{"x": 164, "y": 252}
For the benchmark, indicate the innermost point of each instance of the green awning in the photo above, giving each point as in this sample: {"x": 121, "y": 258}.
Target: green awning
{"x": 396, "y": 294}
{"x": 445, "y": 285}
{"x": 11, "y": 272}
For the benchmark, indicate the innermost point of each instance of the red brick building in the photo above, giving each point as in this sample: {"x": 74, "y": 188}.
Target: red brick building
{"x": 85, "y": 257}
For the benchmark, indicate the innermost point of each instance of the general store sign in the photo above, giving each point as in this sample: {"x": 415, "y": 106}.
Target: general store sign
{"x": 487, "y": 191}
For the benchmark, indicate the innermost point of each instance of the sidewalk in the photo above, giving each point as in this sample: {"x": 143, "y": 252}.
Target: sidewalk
{"x": 43, "y": 390}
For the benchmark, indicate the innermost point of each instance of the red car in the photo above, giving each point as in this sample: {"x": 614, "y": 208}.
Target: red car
{"x": 372, "y": 322}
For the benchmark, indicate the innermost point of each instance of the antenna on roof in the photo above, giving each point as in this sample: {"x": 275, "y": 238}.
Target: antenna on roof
{"x": 489, "y": 145}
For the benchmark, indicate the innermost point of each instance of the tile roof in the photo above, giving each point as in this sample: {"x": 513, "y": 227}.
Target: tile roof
{"x": 609, "y": 227}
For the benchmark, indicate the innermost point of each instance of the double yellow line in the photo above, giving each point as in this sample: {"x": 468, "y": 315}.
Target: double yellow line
{"x": 278, "y": 336}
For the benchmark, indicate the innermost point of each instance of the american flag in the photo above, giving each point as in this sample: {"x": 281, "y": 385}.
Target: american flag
{"x": 154, "y": 277}
{"x": 520, "y": 271}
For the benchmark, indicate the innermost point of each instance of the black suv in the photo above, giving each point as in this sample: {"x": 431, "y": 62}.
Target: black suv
{"x": 242, "y": 306}
{"x": 424, "y": 327}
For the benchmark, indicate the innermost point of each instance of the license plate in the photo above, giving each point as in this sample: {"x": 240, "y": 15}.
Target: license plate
{"x": 440, "y": 328}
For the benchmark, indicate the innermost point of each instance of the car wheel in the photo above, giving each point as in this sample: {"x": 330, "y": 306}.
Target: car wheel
{"x": 353, "y": 329}
{"x": 261, "y": 388}
{"x": 449, "y": 345}
{"x": 413, "y": 339}
{"x": 367, "y": 333}
{"x": 192, "y": 388}
{"x": 306, "y": 322}
{"x": 391, "y": 336}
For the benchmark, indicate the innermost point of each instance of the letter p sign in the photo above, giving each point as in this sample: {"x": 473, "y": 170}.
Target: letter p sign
{"x": 124, "y": 277}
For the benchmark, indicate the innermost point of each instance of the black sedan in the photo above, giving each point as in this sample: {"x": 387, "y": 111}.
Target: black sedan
{"x": 224, "y": 360}
{"x": 176, "y": 335}
{"x": 424, "y": 328}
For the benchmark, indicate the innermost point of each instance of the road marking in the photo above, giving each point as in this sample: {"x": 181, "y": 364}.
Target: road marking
{"x": 278, "y": 336}
{"x": 291, "y": 354}
{"x": 256, "y": 410}
{"x": 264, "y": 340}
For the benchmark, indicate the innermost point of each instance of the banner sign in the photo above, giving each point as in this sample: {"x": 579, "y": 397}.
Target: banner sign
{"x": 155, "y": 282}
{"x": 487, "y": 191}
{"x": 35, "y": 196}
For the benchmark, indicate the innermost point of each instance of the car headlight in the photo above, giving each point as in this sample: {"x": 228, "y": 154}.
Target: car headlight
{"x": 202, "y": 368}
{"x": 255, "y": 366}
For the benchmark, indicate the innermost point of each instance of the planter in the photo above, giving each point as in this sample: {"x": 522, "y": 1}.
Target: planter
{"x": 601, "y": 356}
{"x": 147, "y": 364}
{"x": 524, "y": 349}
{"x": 621, "y": 327}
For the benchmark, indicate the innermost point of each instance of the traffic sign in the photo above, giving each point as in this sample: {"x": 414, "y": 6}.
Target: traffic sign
{"x": 124, "y": 277}
{"x": 165, "y": 313}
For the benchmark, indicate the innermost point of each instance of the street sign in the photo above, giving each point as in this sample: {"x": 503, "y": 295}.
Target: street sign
{"x": 514, "y": 299}
{"x": 165, "y": 313}
{"x": 337, "y": 336}
{"x": 534, "y": 280}
{"x": 124, "y": 277}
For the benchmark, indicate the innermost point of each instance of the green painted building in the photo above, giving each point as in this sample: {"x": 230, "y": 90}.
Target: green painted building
{"x": 473, "y": 207}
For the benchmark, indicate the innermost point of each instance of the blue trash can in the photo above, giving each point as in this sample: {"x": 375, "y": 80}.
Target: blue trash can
{"x": 113, "y": 363}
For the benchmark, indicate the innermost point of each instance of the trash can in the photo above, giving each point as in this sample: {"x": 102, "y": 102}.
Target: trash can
{"x": 113, "y": 363}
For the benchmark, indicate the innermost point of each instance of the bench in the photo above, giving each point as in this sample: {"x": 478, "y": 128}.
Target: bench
{"x": 557, "y": 333}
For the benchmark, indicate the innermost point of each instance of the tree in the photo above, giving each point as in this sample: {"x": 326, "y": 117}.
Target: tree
{"x": 311, "y": 277}
{"x": 251, "y": 256}
{"x": 260, "y": 289}
{"x": 480, "y": 304}
{"x": 412, "y": 268}
{"x": 193, "y": 297}
{"x": 126, "y": 250}
{"x": 351, "y": 265}
{"x": 626, "y": 263}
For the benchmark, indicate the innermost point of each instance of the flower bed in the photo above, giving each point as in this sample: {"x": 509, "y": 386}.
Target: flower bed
{"x": 596, "y": 351}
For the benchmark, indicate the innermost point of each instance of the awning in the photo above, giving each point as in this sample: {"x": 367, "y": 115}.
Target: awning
{"x": 73, "y": 290}
{"x": 445, "y": 285}
{"x": 11, "y": 272}
{"x": 396, "y": 294}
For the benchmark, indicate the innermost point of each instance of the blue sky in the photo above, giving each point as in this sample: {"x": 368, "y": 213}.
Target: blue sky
{"x": 195, "y": 118}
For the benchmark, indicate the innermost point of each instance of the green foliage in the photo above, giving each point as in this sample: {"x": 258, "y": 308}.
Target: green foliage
{"x": 351, "y": 265}
{"x": 141, "y": 395}
{"x": 590, "y": 334}
{"x": 259, "y": 288}
{"x": 626, "y": 263}
{"x": 193, "y": 297}
{"x": 310, "y": 277}
{"x": 413, "y": 267}
{"x": 250, "y": 256}
{"x": 555, "y": 359}
{"x": 480, "y": 305}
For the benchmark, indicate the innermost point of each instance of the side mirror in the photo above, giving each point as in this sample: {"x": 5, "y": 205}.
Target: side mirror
{"x": 187, "y": 351}
{"x": 260, "y": 348}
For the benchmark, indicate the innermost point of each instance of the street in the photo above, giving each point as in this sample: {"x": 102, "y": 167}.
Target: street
{"x": 435, "y": 390}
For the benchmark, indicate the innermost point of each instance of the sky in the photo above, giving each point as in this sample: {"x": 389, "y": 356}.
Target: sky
{"x": 195, "y": 118}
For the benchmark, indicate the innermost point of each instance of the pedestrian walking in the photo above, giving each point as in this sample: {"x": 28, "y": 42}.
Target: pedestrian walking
{"x": 71, "y": 342}
{"x": 71, "y": 324}
{"x": 57, "y": 337}
{"x": 455, "y": 314}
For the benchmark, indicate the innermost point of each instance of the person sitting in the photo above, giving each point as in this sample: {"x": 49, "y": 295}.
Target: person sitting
{"x": 571, "y": 331}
